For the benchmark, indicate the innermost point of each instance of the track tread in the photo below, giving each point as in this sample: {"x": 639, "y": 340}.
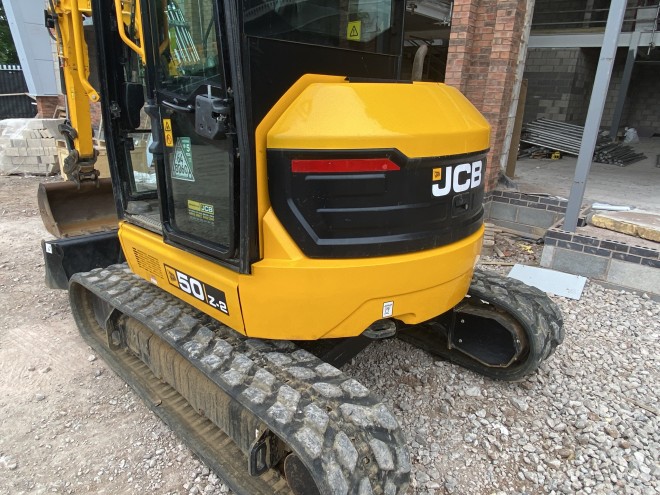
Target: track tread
{"x": 539, "y": 315}
{"x": 343, "y": 433}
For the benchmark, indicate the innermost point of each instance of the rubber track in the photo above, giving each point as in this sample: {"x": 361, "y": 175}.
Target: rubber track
{"x": 537, "y": 313}
{"x": 346, "y": 437}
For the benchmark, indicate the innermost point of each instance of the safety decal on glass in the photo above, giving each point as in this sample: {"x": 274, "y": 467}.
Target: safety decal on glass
{"x": 201, "y": 211}
{"x": 182, "y": 164}
{"x": 354, "y": 31}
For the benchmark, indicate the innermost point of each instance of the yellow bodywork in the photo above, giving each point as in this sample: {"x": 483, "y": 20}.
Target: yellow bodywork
{"x": 290, "y": 296}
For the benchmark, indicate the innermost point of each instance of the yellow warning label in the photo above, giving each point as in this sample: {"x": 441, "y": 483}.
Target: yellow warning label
{"x": 201, "y": 211}
{"x": 167, "y": 130}
{"x": 171, "y": 274}
{"x": 354, "y": 31}
{"x": 437, "y": 174}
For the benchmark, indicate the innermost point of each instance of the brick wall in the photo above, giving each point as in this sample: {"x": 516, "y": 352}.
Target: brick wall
{"x": 560, "y": 81}
{"x": 559, "y": 84}
{"x": 643, "y": 99}
{"x": 482, "y": 59}
{"x": 47, "y": 105}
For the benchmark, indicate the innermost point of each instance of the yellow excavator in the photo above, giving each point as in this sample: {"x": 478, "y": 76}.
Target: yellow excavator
{"x": 279, "y": 198}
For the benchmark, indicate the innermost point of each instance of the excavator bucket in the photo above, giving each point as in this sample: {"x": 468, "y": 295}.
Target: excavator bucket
{"x": 68, "y": 209}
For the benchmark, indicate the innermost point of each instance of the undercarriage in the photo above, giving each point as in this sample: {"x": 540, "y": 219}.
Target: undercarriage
{"x": 271, "y": 417}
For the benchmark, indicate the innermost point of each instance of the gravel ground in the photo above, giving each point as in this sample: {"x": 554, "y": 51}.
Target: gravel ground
{"x": 587, "y": 422}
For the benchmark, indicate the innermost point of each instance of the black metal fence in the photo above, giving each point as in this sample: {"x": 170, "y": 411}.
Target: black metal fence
{"x": 14, "y": 100}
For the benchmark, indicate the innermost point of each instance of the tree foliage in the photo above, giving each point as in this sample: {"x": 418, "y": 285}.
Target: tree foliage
{"x": 8, "y": 53}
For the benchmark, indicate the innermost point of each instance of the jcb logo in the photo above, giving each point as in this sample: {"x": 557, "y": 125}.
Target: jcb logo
{"x": 458, "y": 179}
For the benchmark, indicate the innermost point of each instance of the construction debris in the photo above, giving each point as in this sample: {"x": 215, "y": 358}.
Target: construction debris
{"x": 548, "y": 136}
{"x": 618, "y": 154}
{"x": 559, "y": 283}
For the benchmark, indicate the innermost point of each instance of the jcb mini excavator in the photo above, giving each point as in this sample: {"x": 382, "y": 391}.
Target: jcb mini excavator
{"x": 296, "y": 201}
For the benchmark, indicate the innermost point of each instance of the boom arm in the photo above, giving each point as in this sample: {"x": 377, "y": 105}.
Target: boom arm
{"x": 66, "y": 16}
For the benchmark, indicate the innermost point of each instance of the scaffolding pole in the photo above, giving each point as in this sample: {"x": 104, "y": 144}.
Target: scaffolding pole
{"x": 595, "y": 112}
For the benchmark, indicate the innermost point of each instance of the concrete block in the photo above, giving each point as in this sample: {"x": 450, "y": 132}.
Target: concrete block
{"x": 48, "y": 159}
{"x": 51, "y": 126}
{"x": 19, "y": 143}
{"x": 587, "y": 265}
{"x": 503, "y": 211}
{"x": 487, "y": 207}
{"x": 45, "y": 142}
{"x": 30, "y": 160}
{"x": 536, "y": 217}
{"x": 639, "y": 277}
{"x": 526, "y": 229}
{"x": 34, "y": 124}
{"x": 21, "y": 151}
{"x": 547, "y": 256}
{"x": 11, "y": 151}
{"x": 33, "y": 143}
{"x": 35, "y": 151}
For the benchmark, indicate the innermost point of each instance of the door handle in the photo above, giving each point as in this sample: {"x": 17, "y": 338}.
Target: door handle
{"x": 178, "y": 108}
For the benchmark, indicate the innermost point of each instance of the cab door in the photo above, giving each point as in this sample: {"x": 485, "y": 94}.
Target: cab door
{"x": 199, "y": 146}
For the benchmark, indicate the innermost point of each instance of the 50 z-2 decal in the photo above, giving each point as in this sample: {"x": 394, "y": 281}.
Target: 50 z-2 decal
{"x": 199, "y": 290}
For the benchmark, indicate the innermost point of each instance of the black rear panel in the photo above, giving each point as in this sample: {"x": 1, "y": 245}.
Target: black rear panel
{"x": 377, "y": 213}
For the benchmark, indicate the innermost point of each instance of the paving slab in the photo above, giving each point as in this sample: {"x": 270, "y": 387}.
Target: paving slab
{"x": 644, "y": 224}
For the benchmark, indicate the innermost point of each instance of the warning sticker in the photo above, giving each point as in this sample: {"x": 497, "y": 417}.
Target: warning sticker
{"x": 201, "y": 211}
{"x": 354, "y": 31}
{"x": 182, "y": 166}
{"x": 437, "y": 174}
{"x": 167, "y": 131}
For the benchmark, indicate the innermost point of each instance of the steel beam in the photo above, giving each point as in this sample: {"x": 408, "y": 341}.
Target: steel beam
{"x": 623, "y": 89}
{"x": 595, "y": 112}
{"x": 580, "y": 40}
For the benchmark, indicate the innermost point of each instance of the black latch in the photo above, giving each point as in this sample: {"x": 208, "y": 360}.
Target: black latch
{"x": 259, "y": 457}
{"x": 50, "y": 20}
{"x": 153, "y": 111}
{"x": 212, "y": 116}
{"x": 461, "y": 202}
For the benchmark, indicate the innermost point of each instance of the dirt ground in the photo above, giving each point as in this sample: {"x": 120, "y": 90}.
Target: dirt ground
{"x": 67, "y": 424}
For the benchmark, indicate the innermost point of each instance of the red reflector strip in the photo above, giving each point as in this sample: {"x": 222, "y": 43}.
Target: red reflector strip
{"x": 343, "y": 165}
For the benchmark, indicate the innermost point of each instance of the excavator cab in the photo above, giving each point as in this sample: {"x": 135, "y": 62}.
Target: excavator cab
{"x": 296, "y": 201}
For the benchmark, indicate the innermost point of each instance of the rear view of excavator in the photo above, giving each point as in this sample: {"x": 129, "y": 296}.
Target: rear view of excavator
{"x": 297, "y": 201}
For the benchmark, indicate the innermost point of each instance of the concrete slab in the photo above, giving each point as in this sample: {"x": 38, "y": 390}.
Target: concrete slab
{"x": 587, "y": 265}
{"x": 635, "y": 276}
{"x": 537, "y": 218}
{"x": 644, "y": 224}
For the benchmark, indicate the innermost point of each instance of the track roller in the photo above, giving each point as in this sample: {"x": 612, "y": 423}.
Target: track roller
{"x": 503, "y": 328}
